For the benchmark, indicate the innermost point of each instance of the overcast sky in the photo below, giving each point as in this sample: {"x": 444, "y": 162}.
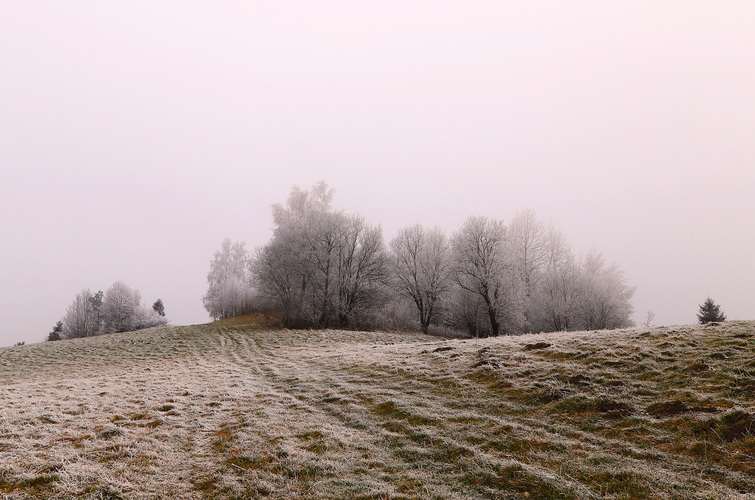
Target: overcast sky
{"x": 135, "y": 136}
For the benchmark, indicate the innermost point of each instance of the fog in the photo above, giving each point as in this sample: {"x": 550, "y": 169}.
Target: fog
{"x": 135, "y": 136}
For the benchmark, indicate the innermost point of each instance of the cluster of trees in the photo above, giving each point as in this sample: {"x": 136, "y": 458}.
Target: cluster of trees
{"x": 326, "y": 268}
{"x": 117, "y": 310}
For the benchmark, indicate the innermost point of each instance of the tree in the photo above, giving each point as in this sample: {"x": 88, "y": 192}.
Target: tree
{"x": 361, "y": 270}
{"x": 146, "y": 317}
{"x": 120, "y": 307}
{"x": 96, "y": 301}
{"x": 710, "y": 312}
{"x": 606, "y": 297}
{"x": 321, "y": 267}
{"x": 558, "y": 294}
{"x": 483, "y": 266}
{"x": 649, "y": 317}
{"x": 422, "y": 270}
{"x": 528, "y": 244}
{"x": 230, "y": 290}
{"x": 56, "y": 333}
{"x": 159, "y": 308}
{"x": 81, "y": 318}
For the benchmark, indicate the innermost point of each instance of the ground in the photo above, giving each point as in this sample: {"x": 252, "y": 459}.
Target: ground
{"x": 245, "y": 409}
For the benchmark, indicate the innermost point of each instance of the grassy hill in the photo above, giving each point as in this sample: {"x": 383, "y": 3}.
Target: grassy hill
{"x": 238, "y": 409}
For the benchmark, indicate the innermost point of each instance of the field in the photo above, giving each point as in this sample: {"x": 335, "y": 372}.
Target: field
{"x": 244, "y": 409}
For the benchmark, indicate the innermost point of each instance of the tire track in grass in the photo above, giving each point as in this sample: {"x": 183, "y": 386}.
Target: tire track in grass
{"x": 234, "y": 411}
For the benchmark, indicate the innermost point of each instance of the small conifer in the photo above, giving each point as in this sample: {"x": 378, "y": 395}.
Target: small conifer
{"x": 710, "y": 312}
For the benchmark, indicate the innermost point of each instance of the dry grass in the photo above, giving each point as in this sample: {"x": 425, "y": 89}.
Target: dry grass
{"x": 240, "y": 409}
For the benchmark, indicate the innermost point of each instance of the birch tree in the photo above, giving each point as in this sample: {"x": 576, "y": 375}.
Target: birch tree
{"x": 229, "y": 290}
{"x": 81, "y": 319}
{"x": 528, "y": 238}
{"x": 120, "y": 307}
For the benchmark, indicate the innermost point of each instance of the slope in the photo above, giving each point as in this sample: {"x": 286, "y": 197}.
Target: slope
{"x": 241, "y": 409}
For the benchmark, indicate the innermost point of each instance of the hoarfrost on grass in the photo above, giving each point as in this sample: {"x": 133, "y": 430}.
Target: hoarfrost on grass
{"x": 231, "y": 409}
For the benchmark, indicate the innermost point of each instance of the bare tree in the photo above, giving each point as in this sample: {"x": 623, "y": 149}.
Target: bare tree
{"x": 321, "y": 266}
{"x": 119, "y": 308}
{"x": 147, "y": 317}
{"x": 579, "y": 294}
{"x": 528, "y": 244}
{"x": 559, "y": 292}
{"x": 362, "y": 270}
{"x": 649, "y": 317}
{"x": 483, "y": 265}
{"x": 81, "y": 319}
{"x": 422, "y": 269}
{"x": 606, "y": 297}
{"x": 230, "y": 291}
{"x": 466, "y": 311}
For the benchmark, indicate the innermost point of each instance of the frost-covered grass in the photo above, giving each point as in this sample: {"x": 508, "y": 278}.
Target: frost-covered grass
{"x": 237, "y": 409}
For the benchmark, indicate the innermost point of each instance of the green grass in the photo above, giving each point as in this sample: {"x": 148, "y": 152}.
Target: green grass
{"x": 244, "y": 409}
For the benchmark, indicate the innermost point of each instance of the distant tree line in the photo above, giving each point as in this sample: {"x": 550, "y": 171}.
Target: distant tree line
{"x": 325, "y": 268}
{"x": 117, "y": 310}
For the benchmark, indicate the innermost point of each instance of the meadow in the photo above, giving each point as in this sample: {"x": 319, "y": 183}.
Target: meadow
{"x": 243, "y": 408}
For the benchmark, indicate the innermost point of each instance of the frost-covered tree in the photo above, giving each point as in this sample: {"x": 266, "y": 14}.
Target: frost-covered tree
{"x": 321, "y": 267}
{"x": 484, "y": 266}
{"x": 467, "y": 312}
{"x": 606, "y": 296}
{"x": 558, "y": 295}
{"x": 422, "y": 270}
{"x": 362, "y": 271}
{"x": 146, "y": 317}
{"x": 117, "y": 310}
{"x": 528, "y": 245}
{"x": 81, "y": 318}
{"x": 579, "y": 294}
{"x": 229, "y": 293}
{"x": 120, "y": 307}
{"x": 710, "y": 312}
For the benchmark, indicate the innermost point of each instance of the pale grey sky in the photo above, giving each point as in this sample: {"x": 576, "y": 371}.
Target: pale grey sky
{"x": 135, "y": 136}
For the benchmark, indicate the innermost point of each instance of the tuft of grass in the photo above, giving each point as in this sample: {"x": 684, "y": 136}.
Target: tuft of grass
{"x": 582, "y": 405}
{"x": 389, "y": 409}
{"x": 109, "y": 433}
{"x": 536, "y": 346}
{"x": 503, "y": 481}
{"x": 736, "y": 425}
{"x": 664, "y": 409}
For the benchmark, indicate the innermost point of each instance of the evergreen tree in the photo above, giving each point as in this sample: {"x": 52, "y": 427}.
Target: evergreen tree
{"x": 710, "y": 312}
{"x": 159, "y": 308}
{"x": 57, "y": 332}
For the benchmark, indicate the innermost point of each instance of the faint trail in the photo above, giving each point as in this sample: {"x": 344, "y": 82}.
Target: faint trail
{"x": 228, "y": 411}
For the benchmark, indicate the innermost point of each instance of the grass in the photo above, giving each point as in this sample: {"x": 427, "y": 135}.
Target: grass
{"x": 245, "y": 409}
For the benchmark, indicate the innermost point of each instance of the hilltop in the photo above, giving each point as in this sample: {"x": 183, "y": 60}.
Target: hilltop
{"x": 243, "y": 408}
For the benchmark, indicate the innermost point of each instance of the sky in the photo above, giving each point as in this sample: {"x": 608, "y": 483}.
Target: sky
{"x": 135, "y": 136}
